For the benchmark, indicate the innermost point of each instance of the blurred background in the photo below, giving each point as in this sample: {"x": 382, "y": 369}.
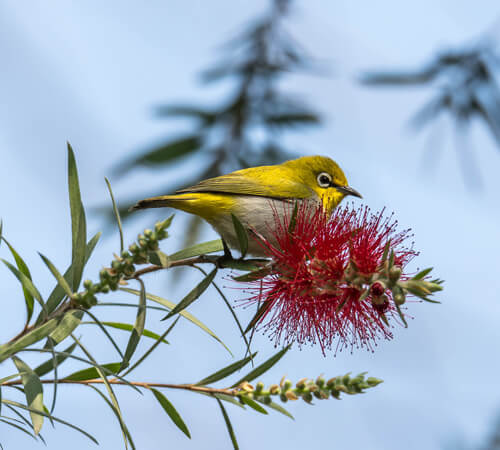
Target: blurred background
{"x": 403, "y": 95}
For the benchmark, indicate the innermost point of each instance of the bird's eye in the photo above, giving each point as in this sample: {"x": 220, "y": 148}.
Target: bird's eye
{"x": 324, "y": 180}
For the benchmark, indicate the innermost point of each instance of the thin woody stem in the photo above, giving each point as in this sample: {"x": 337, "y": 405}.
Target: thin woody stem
{"x": 186, "y": 387}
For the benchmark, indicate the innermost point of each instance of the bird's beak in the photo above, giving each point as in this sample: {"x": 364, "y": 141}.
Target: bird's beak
{"x": 347, "y": 190}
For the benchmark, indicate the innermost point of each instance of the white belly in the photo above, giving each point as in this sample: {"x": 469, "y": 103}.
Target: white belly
{"x": 258, "y": 214}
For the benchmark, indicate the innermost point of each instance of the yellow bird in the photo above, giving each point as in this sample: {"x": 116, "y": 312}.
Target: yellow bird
{"x": 253, "y": 194}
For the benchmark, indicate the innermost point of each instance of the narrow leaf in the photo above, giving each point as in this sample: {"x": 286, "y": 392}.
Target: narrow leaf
{"x": 170, "y": 305}
{"x": 70, "y": 320}
{"x": 171, "y": 411}
{"x": 279, "y": 408}
{"x": 422, "y": 274}
{"x": 78, "y": 223}
{"x": 136, "y": 334}
{"x": 226, "y": 371}
{"x": 23, "y": 268}
{"x": 48, "y": 366}
{"x": 58, "y": 293}
{"x": 193, "y": 295}
{"x": 228, "y": 425}
{"x": 128, "y": 327}
{"x": 264, "y": 367}
{"x": 199, "y": 249}
{"x": 253, "y": 404}
{"x": 254, "y": 275}
{"x": 241, "y": 234}
{"x": 33, "y": 390}
{"x": 57, "y": 275}
{"x": 91, "y": 372}
{"x": 43, "y": 413}
{"x": 116, "y": 212}
{"x": 26, "y": 283}
{"x": 258, "y": 315}
{"x": 28, "y": 339}
{"x": 117, "y": 413}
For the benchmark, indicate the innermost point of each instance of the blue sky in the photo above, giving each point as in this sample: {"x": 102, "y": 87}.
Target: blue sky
{"x": 91, "y": 72}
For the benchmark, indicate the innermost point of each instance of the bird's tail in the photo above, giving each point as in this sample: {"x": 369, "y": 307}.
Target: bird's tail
{"x": 154, "y": 202}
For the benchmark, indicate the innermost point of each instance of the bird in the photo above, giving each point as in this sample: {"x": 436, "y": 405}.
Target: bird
{"x": 256, "y": 194}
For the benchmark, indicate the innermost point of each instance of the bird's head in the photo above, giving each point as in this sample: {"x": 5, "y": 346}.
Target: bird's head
{"x": 325, "y": 178}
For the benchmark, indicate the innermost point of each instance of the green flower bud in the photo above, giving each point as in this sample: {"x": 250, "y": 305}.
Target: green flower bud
{"x": 259, "y": 387}
{"x": 283, "y": 398}
{"x": 307, "y": 397}
{"x": 301, "y": 383}
{"x": 274, "y": 389}
{"x": 320, "y": 381}
{"x": 87, "y": 284}
{"x": 372, "y": 382}
{"x": 266, "y": 400}
{"x": 394, "y": 273}
{"x": 287, "y": 385}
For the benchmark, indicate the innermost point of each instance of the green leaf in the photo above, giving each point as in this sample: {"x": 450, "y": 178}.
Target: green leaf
{"x": 264, "y": 367}
{"x": 193, "y": 295}
{"x": 43, "y": 413}
{"x": 15, "y": 425}
{"x": 91, "y": 372}
{"x": 226, "y": 371}
{"x": 253, "y": 404}
{"x": 78, "y": 223}
{"x": 150, "y": 349}
{"x": 241, "y": 234}
{"x": 136, "y": 334}
{"x": 247, "y": 264}
{"x": 171, "y": 411}
{"x": 228, "y": 425}
{"x": 33, "y": 390}
{"x": 70, "y": 320}
{"x": 58, "y": 293}
{"x": 48, "y": 366}
{"x": 163, "y": 154}
{"x": 116, "y": 212}
{"x": 258, "y": 315}
{"x": 199, "y": 249}
{"x": 28, "y": 339}
{"x": 170, "y": 305}
{"x": 128, "y": 327}
{"x": 422, "y": 274}
{"x": 106, "y": 333}
{"x": 254, "y": 275}
{"x": 158, "y": 258}
{"x": 279, "y": 408}
{"x": 57, "y": 275}
{"x": 23, "y": 268}
{"x": 26, "y": 283}
{"x": 117, "y": 413}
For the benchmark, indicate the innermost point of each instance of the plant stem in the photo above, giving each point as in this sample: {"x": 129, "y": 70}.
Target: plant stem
{"x": 188, "y": 387}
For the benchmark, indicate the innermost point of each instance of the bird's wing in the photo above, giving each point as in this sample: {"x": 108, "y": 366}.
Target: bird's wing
{"x": 265, "y": 181}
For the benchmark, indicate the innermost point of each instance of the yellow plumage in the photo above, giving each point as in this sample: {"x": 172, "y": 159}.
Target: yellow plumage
{"x": 252, "y": 194}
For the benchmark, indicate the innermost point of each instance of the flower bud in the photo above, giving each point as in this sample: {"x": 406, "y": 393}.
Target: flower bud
{"x": 283, "y": 398}
{"x": 290, "y": 395}
{"x": 394, "y": 273}
{"x": 259, "y": 387}
{"x": 307, "y": 397}
{"x": 377, "y": 289}
{"x": 274, "y": 389}
{"x": 320, "y": 381}
{"x": 87, "y": 284}
{"x": 266, "y": 400}
{"x": 287, "y": 385}
{"x": 301, "y": 383}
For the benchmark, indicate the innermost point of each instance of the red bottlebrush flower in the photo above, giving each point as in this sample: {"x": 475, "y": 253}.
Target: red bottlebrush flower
{"x": 330, "y": 277}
